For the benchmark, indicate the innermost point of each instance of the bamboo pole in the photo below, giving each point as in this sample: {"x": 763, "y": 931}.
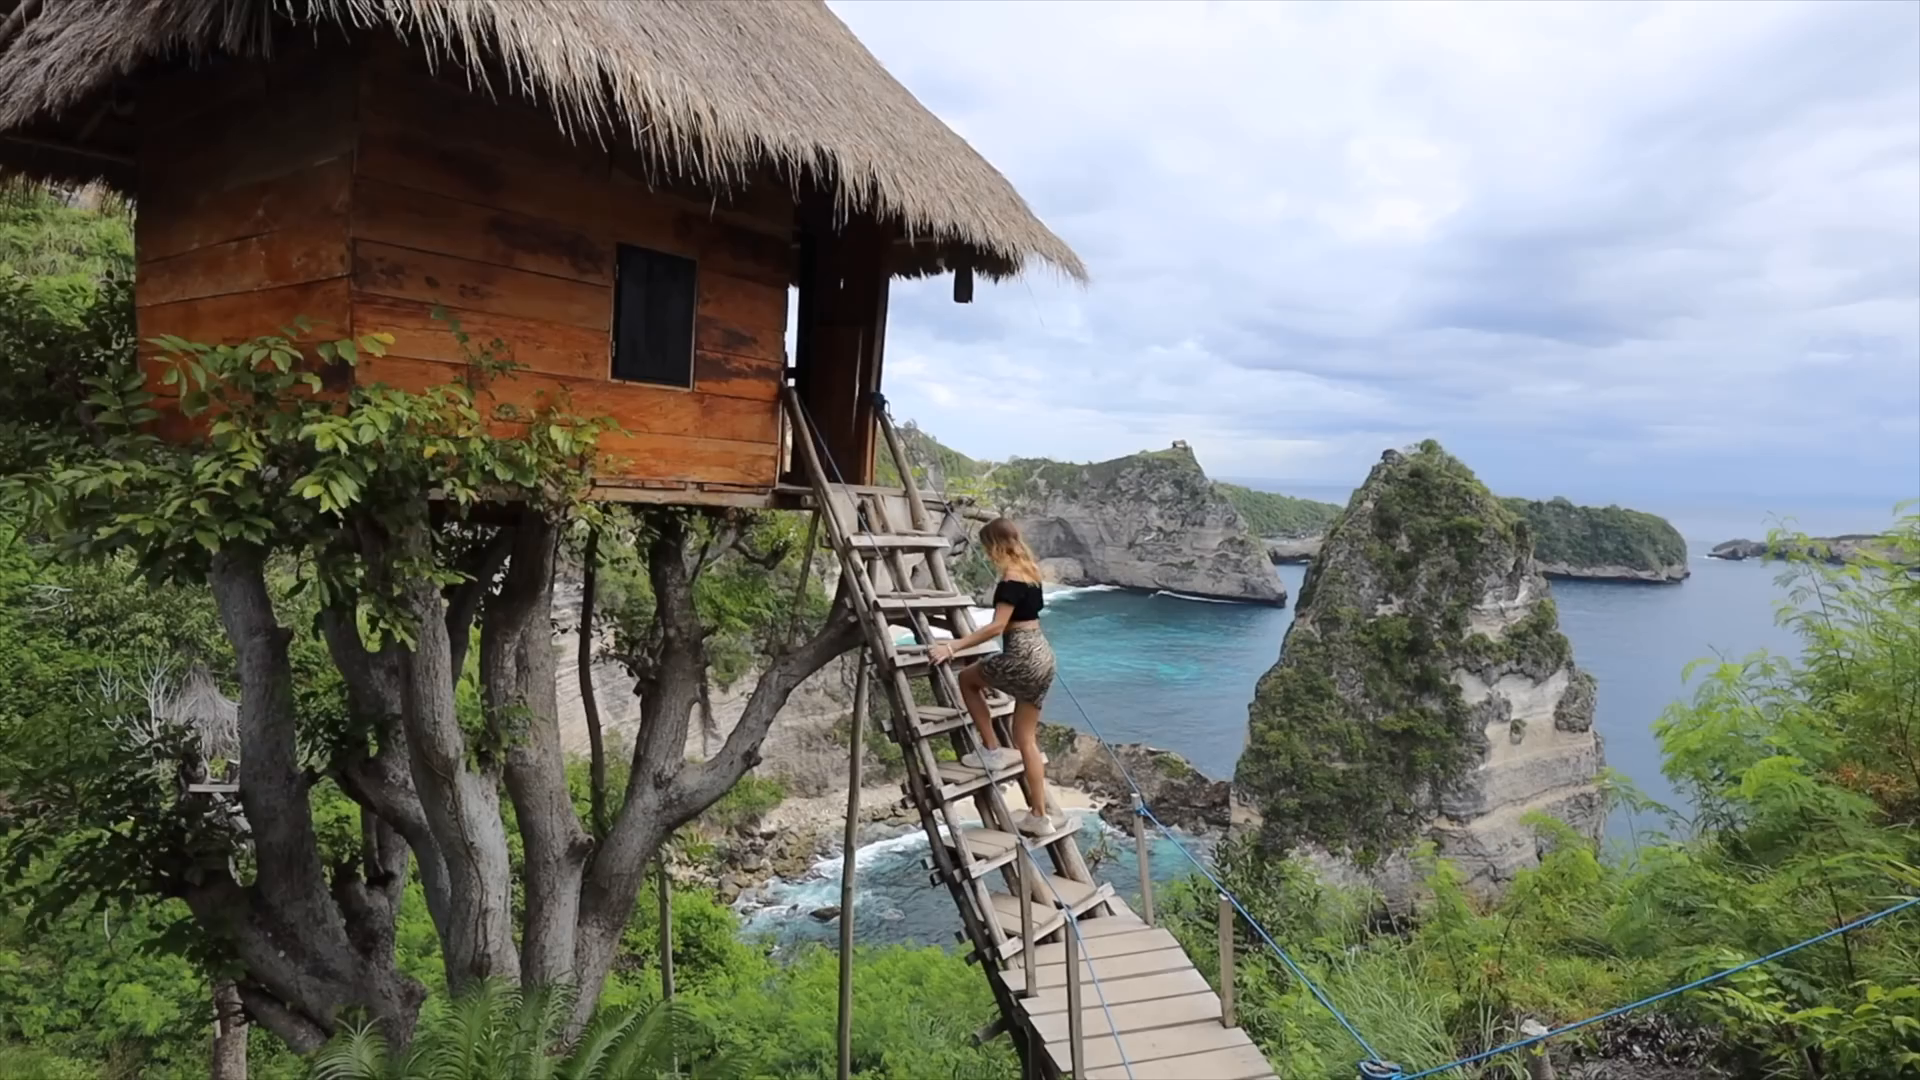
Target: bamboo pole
{"x": 666, "y": 931}
{"x": 1075, "y": 1022}
{"x": 847, "y": 848}
{"x": 1226, "y": 961}
{"x": 1146, "y": 871}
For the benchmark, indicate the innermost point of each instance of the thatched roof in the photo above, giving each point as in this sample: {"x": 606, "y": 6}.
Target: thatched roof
{"x": 722, "y": 88}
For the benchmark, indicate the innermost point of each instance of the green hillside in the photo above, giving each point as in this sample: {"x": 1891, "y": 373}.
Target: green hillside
{"x": 1280, "y": 517}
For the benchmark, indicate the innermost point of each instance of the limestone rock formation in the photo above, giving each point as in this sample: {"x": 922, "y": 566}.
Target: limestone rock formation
{"x": 1425, "y": 691}
{"x": 1147, "y": 521}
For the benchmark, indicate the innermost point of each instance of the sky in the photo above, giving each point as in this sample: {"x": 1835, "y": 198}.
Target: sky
{"x": 1608, "y": 250}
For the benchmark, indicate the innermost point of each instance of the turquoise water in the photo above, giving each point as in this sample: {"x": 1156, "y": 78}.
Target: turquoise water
{"x": 1179, "y": 674}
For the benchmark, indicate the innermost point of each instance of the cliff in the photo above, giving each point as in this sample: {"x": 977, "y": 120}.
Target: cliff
{"x": 1608, "y": 543}
{"x": 1151, "y": 520}
{"x": 1425, "y": 691}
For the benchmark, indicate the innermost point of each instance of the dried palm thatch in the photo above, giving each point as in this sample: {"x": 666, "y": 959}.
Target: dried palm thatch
{"x": 716, "y": 89}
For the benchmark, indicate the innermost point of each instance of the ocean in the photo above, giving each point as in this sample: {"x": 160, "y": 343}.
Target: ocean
{"x": 1178, "y": 673}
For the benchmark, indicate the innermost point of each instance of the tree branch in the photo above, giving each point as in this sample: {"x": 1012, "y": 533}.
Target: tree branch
{"x": 698, "y": 786}
{"x": 589, "y": 704}
{"x": 481, "y": 566}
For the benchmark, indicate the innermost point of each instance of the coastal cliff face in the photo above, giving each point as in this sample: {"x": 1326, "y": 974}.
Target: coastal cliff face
{"x": 1146, "y": 521}
{"x": 1425, "y": 691}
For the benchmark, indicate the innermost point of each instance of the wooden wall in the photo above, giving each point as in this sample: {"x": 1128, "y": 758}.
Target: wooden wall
{"x": 488, "y": 210}
{"x": 245, "y": 174}
{"x": 359, "y": 190}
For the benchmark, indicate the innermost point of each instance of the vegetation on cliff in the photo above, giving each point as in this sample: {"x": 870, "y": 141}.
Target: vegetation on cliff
{"x": 1279, "y": 517}
{"x": 1360, "y": 728}
{"x": 1600, "y": 536}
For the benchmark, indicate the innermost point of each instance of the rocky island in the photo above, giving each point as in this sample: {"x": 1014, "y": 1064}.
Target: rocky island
{"x": 1845, "y": 548}
{"x": 1151, "y": 520}
{"x": 1585, "y": 543}
{"x": 1602, "y": 543}
{"x": 1424, "y": 692}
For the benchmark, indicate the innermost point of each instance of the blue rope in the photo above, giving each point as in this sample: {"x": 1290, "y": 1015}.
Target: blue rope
{"x": 1141, "y": 808}
{"x": 1662, "y": 996}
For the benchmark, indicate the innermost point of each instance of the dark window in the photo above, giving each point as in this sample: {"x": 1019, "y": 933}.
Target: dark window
{"x": 653, "y": 297}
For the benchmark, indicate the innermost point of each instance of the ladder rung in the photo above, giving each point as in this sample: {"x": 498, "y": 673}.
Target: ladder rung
{"x": 959, "y": 781}
{"x": 924, "y": 601}
{"x": 897, "y": 542}
{"x": 912, "y": 658}
{"x": 993, "y": 849}
{"x": 931, "y": 720}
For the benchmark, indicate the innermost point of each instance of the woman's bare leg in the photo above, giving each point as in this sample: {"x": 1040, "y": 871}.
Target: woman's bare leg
{"x": 973, "y": 691}
{"x": 1026, "y": 738}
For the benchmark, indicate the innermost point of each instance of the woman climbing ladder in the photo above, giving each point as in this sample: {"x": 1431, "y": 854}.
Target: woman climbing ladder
{"x": 1023, "y": 669}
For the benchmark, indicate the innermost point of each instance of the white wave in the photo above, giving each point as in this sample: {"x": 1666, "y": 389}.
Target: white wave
{"x": 1196, "y": 599}
{"x": 1062, "y": 592}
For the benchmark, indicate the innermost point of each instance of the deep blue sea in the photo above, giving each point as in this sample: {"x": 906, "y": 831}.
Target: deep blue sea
{"x": 1179, "y": 673}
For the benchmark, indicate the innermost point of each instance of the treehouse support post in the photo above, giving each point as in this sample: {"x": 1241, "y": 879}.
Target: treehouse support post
{"x": 855, "y": 728}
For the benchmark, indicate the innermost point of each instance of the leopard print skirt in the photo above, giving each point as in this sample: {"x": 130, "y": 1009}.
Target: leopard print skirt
{"x": 1023, "y": 668}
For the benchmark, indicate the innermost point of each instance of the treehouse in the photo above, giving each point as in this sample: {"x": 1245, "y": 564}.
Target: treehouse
{"x": 637, "y": 199}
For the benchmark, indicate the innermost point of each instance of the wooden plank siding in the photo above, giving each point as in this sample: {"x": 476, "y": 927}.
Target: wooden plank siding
{"x": 245, "y": 180}
{"x": 489, "y": 212}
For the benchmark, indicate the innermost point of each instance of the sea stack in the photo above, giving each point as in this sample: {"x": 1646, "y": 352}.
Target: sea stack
{"x": 1425, "y": 692}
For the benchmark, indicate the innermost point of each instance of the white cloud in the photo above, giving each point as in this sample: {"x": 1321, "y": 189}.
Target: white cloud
{"x": 1611, "y": 244}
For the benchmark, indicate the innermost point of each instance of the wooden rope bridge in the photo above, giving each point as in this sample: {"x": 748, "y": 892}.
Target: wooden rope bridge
{"x": 1029, "y": 907}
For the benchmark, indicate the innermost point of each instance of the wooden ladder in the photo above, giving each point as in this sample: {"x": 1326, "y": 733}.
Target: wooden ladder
{"x": 894, "y": 566}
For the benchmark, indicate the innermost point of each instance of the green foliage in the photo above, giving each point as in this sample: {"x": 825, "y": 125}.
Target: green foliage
{"x": 745, "y": 803}
{"x": 1279, "y": 516}
{"x": 498, "y": 1031}
{"x": 66, "y": 315}
{"x": 1582, "y": 536}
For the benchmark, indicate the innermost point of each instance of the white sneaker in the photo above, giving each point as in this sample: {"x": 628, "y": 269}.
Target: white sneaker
{"x": 998, "y": 758}
{"x": 1035, "y": 825}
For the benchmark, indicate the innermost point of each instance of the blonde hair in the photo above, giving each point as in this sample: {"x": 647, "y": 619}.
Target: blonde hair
{"x": 1001, "y": 539}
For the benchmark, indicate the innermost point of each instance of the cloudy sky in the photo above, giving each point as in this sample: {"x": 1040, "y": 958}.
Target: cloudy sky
{"x": 1608, "y": 249}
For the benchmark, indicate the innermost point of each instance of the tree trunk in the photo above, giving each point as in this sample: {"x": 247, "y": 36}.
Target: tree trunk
{"x": 518, "y": 669}
{"x": 461, "y": 803}
{"x": 310, "y": 949}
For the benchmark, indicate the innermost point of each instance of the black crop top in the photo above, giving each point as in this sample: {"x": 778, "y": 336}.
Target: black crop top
{"x": 1025, "y": 596}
